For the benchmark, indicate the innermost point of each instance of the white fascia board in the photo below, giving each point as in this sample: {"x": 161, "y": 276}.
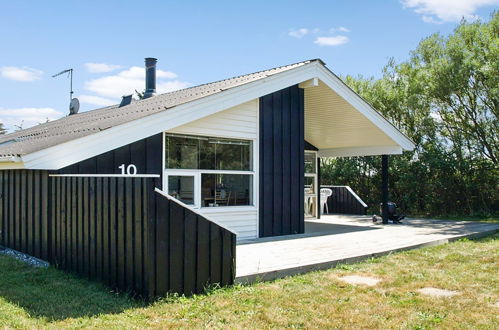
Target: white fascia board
{"x": 74, "y": 151}
{"x": 337, "y": 85}
{"x": 360, "y": 151}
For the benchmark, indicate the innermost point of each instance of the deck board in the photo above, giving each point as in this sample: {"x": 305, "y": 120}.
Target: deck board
{"x": 343, "y": 239}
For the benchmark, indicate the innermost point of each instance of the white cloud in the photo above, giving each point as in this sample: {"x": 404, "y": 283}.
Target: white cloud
{"x": 339, "y": 29}
{"x": 96, "y": 100}
{"x": 27, "y": 117}
{"x": 429, "y": 19}
{"x": 299, "y": 33}
{"x": 331, "y": 41}
{"x": 446, "y": 10}
{"x": 20, "y": 74}
{"x": 101, "y": 67}
{"x": 127, "y": 81}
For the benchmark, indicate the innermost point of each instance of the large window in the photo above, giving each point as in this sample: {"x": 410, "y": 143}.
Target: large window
{"x": 226, "y": 189}
{"x": 206, "y": 153}
{"x": 209, "y": 172}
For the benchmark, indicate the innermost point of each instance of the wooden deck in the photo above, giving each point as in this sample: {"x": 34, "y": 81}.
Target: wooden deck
{"x": 344, "y": 239}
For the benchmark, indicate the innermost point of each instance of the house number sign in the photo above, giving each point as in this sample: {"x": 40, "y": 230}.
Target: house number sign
{"x": 128, "y": 170}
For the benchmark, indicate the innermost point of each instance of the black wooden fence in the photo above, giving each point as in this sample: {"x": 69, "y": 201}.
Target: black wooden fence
{"x": 345, "y": 201}
{"x": 118, "y": 230}
{"x": 24, "y": 206}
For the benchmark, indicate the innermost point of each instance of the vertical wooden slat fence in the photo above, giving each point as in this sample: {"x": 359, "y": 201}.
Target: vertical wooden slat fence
{"x": 24, "y": 207}
{"x": 117, "y": 230}
{"x": 345, "y": 201}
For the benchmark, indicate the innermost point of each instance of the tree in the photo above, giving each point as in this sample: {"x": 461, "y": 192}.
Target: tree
{"x": 2, "y": 129}
{"x": 444, "y": 97}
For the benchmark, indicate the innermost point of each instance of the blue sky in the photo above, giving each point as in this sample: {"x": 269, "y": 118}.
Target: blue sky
{"x": 105, "y": 42}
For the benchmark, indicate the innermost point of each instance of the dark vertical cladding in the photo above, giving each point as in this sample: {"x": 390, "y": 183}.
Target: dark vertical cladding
{"x": 145, "y": 154}
{"x": 116, "y": 230}
{"x": 24, "y": 205}
{"x": 186, "y": 252}
{"x": 282, "y": 147}
{"x": 343, "y": 202}
{"x": 384, "y": 188}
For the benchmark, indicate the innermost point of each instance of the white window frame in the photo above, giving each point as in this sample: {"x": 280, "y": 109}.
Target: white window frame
{"x": 198, "y": 172}
{"x": 197, "y": 178}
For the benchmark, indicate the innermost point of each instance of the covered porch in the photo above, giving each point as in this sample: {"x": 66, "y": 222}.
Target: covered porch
{"x": 337, "y": 239}
{"x": 339, "y": 123}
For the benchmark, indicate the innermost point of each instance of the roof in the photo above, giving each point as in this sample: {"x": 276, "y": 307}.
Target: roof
{"x": 68, "y": 128}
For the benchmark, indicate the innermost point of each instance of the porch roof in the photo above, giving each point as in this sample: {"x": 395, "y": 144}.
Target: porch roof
{"x": 337, "y": 128}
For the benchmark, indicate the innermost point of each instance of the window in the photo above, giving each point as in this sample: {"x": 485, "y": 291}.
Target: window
{"x": 182, "y": 188}
{"x": 209, "y": 171}
{"x": 226, "y": 189}
{"x": 193, "y": 152}
{"x": 310, "y": 161}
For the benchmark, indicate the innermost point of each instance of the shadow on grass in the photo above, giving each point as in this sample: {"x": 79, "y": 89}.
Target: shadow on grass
{"x": 55, "y": 295}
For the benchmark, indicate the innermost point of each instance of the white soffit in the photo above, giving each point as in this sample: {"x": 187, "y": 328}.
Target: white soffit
{"x": 336, "y": 128}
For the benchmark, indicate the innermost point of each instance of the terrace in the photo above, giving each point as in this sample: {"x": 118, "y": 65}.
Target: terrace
{"x": 337, "y": 239}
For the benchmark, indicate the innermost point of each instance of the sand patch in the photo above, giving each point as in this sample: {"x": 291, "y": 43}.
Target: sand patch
{"x": 435, "y": 292}
{"x": 360, "y": 280}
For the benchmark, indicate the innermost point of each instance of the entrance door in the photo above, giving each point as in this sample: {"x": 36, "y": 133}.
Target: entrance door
{"x": 311, "y": 189}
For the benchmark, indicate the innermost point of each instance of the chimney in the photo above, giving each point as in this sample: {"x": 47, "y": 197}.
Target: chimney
{"x": 150, "y": 77}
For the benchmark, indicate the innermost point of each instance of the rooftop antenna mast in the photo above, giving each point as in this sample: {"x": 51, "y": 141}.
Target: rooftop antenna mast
{"x": 70, "y": 75}
{"x": 74, "y": 104}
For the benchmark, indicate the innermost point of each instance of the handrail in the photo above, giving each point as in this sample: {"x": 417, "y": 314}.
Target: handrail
{"x": 351, "y": 192}
{"x": 170, "y": 197}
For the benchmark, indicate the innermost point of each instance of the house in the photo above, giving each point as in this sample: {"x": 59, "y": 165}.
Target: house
{"x": 235, "y": 155}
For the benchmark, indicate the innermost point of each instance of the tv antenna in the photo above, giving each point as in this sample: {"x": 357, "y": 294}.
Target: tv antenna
{"x": 71, "y": 102}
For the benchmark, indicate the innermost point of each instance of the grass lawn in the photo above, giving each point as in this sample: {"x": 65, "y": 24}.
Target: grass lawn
{"x": 490, "y": 219}
{"x": 35, "y": 298}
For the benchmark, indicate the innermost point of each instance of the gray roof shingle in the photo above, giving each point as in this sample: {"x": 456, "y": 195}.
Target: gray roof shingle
{"x": 86, "y": 123}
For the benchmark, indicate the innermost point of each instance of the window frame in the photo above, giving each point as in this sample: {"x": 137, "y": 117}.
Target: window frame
{"x": 184, "y": 173}
{"x": 313, "y": 196}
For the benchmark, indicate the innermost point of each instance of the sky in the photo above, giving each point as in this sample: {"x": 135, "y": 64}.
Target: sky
{"x": 195, "y": 42}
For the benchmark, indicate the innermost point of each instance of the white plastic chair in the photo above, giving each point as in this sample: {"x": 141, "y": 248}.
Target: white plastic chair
{"x": 325, "y": 194}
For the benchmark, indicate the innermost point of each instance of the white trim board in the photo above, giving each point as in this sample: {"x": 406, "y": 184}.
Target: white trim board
{"x": 360, "y": 151}
{"x": 71, "y": 152}
{"x": 107, "y": 175}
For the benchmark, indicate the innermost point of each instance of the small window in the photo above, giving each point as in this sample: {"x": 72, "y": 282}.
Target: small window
{"x": 310, "y": 162}
{"x": 226, "y": 190}
{"x": 182, "y": 188}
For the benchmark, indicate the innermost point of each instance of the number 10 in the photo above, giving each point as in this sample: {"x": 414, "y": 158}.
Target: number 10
{"x": 130, "y": 169}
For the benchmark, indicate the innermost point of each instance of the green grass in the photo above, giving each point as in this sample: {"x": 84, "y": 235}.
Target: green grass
{"x": 490, "y": 219}
{"x": 37, "y": 298}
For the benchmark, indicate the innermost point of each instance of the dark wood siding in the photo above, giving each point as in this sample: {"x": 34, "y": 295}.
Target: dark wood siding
{"x": 343, "y": 202}
{"x": 24, "y": 207}
{"x": 145, "y": 154}
{"x": 117, "y": 230}
{"x": 281, "y": 163}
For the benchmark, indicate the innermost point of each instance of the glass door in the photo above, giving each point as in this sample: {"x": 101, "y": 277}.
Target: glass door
{"x": 311, "y": 189}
